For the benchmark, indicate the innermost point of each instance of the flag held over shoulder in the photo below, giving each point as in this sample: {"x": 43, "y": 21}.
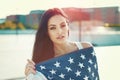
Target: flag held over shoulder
{"x": 77, "y": 65}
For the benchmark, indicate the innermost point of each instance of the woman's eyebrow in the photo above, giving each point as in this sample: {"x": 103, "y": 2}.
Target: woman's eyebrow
{"x": 55, "y": 25}
{"x": 52, "y": 25}
{"x": 62, "y": 23}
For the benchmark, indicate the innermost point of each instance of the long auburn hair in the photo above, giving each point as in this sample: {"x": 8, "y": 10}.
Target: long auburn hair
{"x": 43, "y": 46}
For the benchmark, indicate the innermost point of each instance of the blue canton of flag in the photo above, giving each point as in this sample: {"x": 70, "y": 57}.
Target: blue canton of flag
{"x": 77, "y": 65}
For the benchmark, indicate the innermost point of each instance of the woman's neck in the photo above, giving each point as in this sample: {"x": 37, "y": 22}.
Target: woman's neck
{"x": 64, "y": 48}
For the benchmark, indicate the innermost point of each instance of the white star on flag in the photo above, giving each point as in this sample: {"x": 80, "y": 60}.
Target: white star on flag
{"x": 71, "y": 60}
{"x": 89, "y": 69}
{"x": 77, "y": 73}
{"x": 95, "y": 66}
{"x": 62, "y": 75}
{"x": 85, "y": 78}
{"x": 71, "y": 79}
{"x": 77, "y": 65}
{"x": 80, "y": 65}
{"x": 93, "y": 53}
{"x": 90, "y": 61}
{"x": 68, "y": 69}
{"x": 42, "y": 67}
{"x": 93, "y": 74}
{"x": 53, "y": 71}
{"x": 96, "y": 78}
{"x": 57, "y": 64}
{"x": 82, "y": 56}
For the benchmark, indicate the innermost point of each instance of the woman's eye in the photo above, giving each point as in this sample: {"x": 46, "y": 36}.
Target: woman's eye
{"x": 63, "y": 25}
{"x": 52, "y": 28}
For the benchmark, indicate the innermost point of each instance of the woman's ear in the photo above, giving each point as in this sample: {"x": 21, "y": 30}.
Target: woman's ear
{"x": 68, "y": 32}
{"x": 67, "y": 21}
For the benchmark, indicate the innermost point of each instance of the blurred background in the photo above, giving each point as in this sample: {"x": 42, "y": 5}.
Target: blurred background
{"x": 95, "y": 21}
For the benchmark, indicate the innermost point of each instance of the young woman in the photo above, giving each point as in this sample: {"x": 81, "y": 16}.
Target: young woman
{"x": 52, "y": 40}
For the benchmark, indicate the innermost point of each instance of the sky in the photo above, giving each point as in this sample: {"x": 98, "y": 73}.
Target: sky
{"x": 14, "y": 7}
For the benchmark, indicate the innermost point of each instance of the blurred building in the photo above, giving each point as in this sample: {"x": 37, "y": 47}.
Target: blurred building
{"x": 17, "y": 18}
{"x": 106, "y": 14}
{"x": 119, "y": 16}
{"x": 76, "y": 14}
{"x": 94, "y": 16}
{"x": 34, "y": 17}
{"x": 85, "y": 21}
{"x": 31, "y": 20}
{"x": 81, "y": 16}
{"x": 2, "y": 21}
{"x": 11, "y": 18}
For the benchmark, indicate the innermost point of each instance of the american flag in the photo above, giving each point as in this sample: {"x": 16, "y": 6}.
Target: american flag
{"x": 77, "y": 65}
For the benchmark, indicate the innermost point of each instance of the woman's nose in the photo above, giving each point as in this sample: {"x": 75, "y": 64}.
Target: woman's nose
{"x": 59, "y": 31}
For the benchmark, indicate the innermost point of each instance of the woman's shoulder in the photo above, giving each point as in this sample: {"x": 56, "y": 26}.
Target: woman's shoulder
{"x": 85, "y": 44}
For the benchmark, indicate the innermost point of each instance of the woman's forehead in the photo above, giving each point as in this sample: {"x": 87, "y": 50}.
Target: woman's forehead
{"x": 57, "y": 18}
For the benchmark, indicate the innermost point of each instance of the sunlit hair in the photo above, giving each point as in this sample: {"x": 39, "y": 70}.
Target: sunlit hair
{"x": 43, "y": 46}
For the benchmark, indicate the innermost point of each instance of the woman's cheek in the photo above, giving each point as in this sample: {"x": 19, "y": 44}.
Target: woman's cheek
{"x": 52, "y": 36}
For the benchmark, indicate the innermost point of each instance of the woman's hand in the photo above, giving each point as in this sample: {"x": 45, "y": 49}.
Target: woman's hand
{"x": 30, "y": 67}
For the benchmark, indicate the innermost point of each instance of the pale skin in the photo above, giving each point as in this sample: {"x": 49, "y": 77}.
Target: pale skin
{"x": 58, "y": 33}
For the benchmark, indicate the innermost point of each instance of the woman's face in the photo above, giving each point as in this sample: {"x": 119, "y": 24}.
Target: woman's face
{"x": 58, "y": 29}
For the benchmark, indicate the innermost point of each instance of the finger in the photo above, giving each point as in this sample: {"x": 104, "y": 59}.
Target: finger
{"x": 29, "y": 70}
{"x": 30, "y": 65}
{"x": 30, "y": 61}
{"x": 26, "y": 71}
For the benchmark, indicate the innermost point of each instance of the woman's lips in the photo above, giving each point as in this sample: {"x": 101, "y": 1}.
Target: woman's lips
{"x": 60, "y": 37}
